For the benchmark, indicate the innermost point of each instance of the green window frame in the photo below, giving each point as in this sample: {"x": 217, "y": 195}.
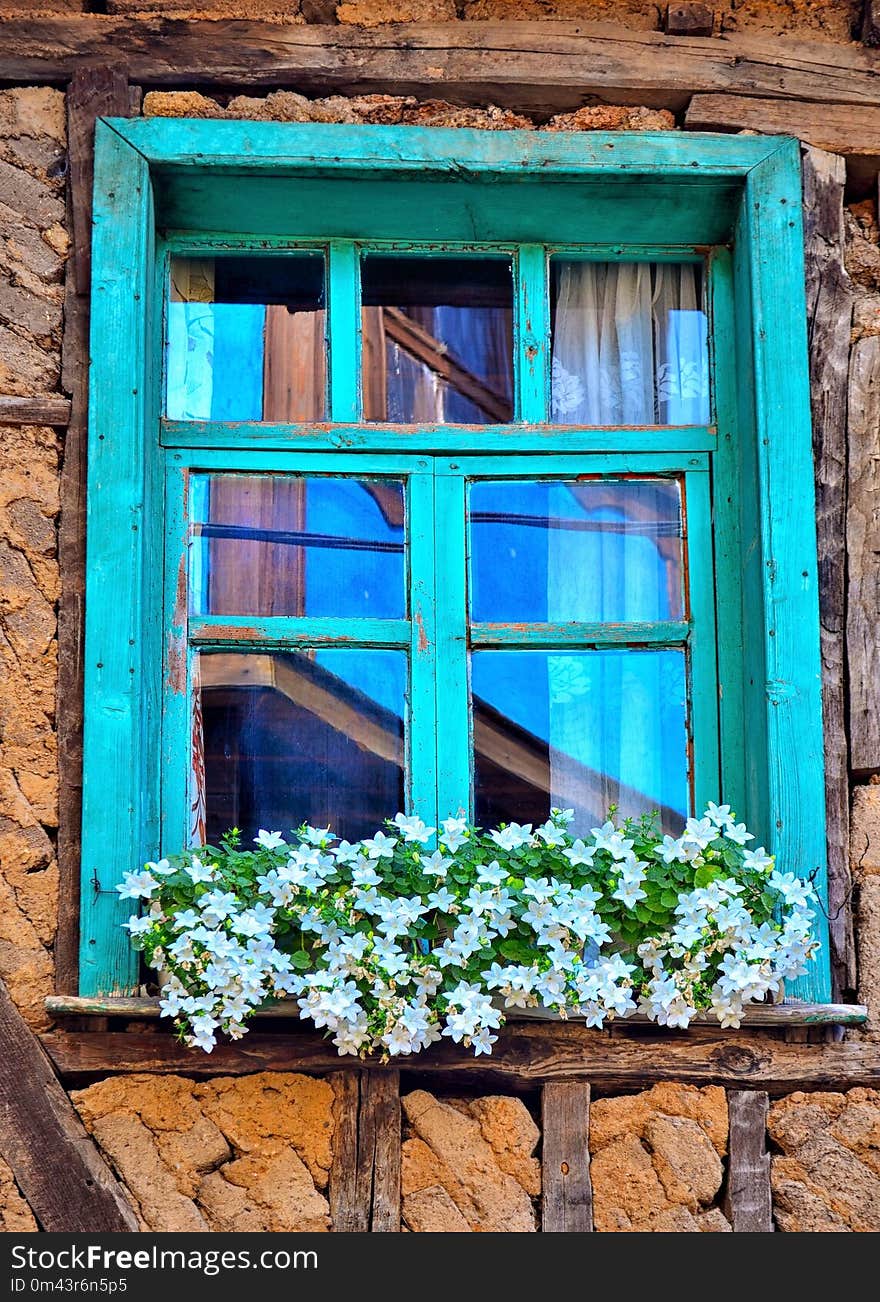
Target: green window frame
{"x": 751, "y": 629}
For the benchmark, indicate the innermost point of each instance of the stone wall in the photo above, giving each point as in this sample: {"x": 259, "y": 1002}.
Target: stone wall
{"x": 33, "y": 246}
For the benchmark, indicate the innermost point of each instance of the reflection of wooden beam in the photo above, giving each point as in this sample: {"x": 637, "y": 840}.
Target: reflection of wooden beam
{"x": 277, "y": 672}
{"x": 418, "y": 343}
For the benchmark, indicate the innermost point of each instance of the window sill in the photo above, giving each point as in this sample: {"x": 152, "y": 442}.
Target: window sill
{"x": 791, "y": 1013}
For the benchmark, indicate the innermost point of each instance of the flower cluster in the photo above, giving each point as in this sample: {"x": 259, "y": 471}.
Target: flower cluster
{"x": 419, "y": 933}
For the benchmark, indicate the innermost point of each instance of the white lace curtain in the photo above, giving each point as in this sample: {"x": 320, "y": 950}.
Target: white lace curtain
{"x": 629, "y": 345}
{"x": 629, "y": 348}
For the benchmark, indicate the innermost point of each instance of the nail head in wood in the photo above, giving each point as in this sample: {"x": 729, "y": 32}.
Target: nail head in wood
{"x": 689, "y": 20}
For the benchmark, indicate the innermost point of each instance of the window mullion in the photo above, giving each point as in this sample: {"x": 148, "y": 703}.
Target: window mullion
{"x": 531, "y": 334}
{"x": 344, "y": 330}
{"x": 177, "y": 671}
{"x": 453, "y": 712}
{"x": 424, "y": 651}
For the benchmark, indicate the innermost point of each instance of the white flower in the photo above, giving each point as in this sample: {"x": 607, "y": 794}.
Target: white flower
{"x": 580, "y": 853}
{"x": 491, "y": 874}
{"x": 435, "y": 865}
{"x": 700, "y": 832}
{"x": 738, "y": 833}
{"x": 608, "y": 838}
{"x": 217, "y": 905}
{"x": 198, "y": 872}
{"x": 413, "y": 828}
{"x": 758, "y": 859}
{"x": 380, "y": 846}
{"x": 345, "y": 852}
{"x": 162, "y": 869}
{"x": 442, "y": 899}
{"x": 550, "y": 834}
{"x": 454, "y": 833}
{"x": 268, "y": 840}
{"x": 792, "y": 889}
{"x": 137, "y": 926}
{"x": 137, "y": 886}
{"x": 629, "y": 892}
{"x": 512, "y": 836}
{"x": 315, "y": 835}
{"x": 364, "y": 874}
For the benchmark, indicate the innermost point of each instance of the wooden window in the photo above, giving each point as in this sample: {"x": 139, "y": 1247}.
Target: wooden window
{"x": 414, "y": 486}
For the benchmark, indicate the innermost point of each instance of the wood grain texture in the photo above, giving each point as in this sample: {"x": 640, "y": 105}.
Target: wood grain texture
{"x": 91, "y": 93}
{"x": 524, "y": 1054}
{"x": 829, "y": 315}
{"x": 45, "y": 409}
{"x": 59, "y": 1170}
{"x": 827, "y": 126}
{"x": 545, "y": 66}
{"x": 566, "y": 1189}
{"x": 787, "y": 1014}
{"x": 377, "y": 1181}
{"x": 863, "y": 547}
{"x": 748, "y": 1202}
{"x": 347, "y": 1214}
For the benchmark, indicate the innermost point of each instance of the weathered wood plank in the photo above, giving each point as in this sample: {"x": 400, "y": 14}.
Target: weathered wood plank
{"x": 524, "y": 1054}
{"x": 787, "y": 1014}
{"x": 829, "y": 315}
{"x": 48, "y": 409}
{"x": 566, "y": 1189}
{"x": 347, "y": 1215}
{"x": 377, "y": 1181}
{"x": 863, "y": 548}
{"x": 91, "y": 93}
{"x": 544, "y": 66}
{"x": 59, "y": 1170}
{"x": 748, "y": 1202}
{"x": 827, "y": 126}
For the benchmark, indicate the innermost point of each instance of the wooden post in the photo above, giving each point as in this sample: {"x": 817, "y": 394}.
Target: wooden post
{"x": 378, "y": 1159}
{"x": 347, "y": 1214}
{"x": 748, "y": 1202}
{"x": 567, "y": 1193}
{"x": 60, "y": 1171}
{"x": 863, "y": 544}
{"x": 829, "y": 314}
{"x": 94, "y": 92}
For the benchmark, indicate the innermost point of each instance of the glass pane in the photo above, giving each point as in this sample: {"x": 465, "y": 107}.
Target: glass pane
{"x": 579, "y": 730}
{"x": 311, "y": 736}
{"x": 437, "y": 340}
{"x": 598, "y": 550}
{"x": 245, "y": 338}
{"x": 287, "y": 545}
{"x": 629, "y": 344}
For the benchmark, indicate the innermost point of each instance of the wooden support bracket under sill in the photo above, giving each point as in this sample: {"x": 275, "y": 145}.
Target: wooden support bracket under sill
{"x": 792, "y": 1013}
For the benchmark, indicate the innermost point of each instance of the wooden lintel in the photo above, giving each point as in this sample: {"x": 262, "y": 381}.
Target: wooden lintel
{"x": 542, "y": 66}
{"x": 45, "y": 409}
{"x": 834, "y": 127}
{"x": 60, "y": 1171}
{"x": 524, "y": 1057}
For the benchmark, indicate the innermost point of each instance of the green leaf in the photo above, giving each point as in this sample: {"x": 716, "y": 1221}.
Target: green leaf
{"x": 301, "y": 960}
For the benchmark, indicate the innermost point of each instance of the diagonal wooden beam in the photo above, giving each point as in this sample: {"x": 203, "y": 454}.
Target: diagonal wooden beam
{"x": 424, "y": 347}
{"x": 547, "y": 67}
{"x": 59, "y": 1169}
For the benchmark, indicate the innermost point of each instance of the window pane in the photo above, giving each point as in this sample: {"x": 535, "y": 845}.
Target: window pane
{"x": 287, "y": 545}
{"x": 304, "y": 737}
{"x": 437, "y": 340}
{"x": 245, "y": 338}
{"x": 599, "y": 550}
{"x": 579, "y": 730}
{"x": 629, "y": 344}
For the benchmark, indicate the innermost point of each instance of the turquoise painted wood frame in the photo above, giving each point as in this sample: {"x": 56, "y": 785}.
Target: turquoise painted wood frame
{"x": 732, "y": 203}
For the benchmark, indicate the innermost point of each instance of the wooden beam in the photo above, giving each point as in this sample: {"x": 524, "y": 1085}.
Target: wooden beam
{"x": 547, "y": 67}
{"x": 827, "y": 126}
{"x": 422, "y": 345}
{"x": 748, "y": 1202}
{"x": 347, "y": 1215}
{"x": 524, "y": 1055}
{"x": 93, "y": 92}
{"x": 789, "y": 1014}
{"x": 863, "y": 548}
{"x": 377, "y": 1181}
{"x": 58, "y": 1168}
{"x": 47, "y": 409}
{"x": 829, "y": 315}
{"x": 566, "y": 1189}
